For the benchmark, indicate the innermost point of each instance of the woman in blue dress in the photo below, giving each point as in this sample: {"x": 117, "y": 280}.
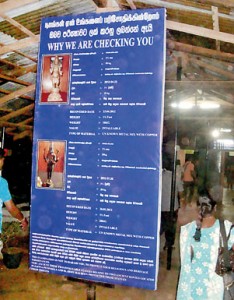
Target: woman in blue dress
{"x": 199, "y": 243}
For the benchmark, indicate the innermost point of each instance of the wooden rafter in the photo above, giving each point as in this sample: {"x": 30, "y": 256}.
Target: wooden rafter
{"x": 216, "y": 27}
{"x": 15, "y": 80}
{"x": 178, "y": 46}
{"x": 6, "y": 92}
{"x": 18, "y": 112}
{"x": 226, "y": 97}
{"x": 26, "y": 133}
{"x": 209, "y": 67}
{"x": 10, "y": 64}
{"x": 19, "y": 26}
{"x": 200, "y": 31}
{"x": 27, "y": 42}
{"x": 18, "y": 70}
{"x": 173, "y": 84}
{"x": 12, "y": 4}
{"x": 10, "y": 124}
{"x": 25, "y": 122}
{"x": 226, "y": 3}
{"x": 22, "y": 54}
{"x": 17, "y": 94}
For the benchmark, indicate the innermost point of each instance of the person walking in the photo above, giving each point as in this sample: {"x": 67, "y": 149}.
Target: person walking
{"x": 199, "y": 247}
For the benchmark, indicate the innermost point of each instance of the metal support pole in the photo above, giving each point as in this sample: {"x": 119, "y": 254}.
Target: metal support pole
{"x": 173, "y": 181}
{"x": 3, "y": 137}
{"x": 91, "y": 292}
{"x": 172, "y": 204}
{"x": 91, "y": 286}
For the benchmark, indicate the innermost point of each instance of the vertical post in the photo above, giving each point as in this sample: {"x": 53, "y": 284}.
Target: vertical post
{"x": 173, "y": 194}
{"x": 207, "y": 156}
{"x": 215, "y": 18}
{"x": 173, "y": 182}
{"x": 91, "y": 292}
{"x": 2, "y": 137}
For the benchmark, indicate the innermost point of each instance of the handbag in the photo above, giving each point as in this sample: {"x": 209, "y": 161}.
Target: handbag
{"x": 225, "y": 263}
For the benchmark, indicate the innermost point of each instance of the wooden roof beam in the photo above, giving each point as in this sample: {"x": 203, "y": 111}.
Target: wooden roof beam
{"x": 6, "y": 92}
{"x": 131, "y": 4}
{"x": 173, "y": 45}
{"x": 25, "y": 122}
{"x": 106, "y": 5}
{"x": 18, "y": 25}
{"x": 227, "y": 97}
{"x": 215, "y": 19}
{"x": 214, "y": 69}
{"x": 18, "y": 112}
{"x": 15, "y": 80}
{"x": 15, "y": 125}
{"x": 27, "y": 42}
{"x": 6, "y": 62}
{"x": 17, "y": 94}
{"x": 22, "y": 54}
{"x": 22, "y": 135}
{"x": 221, "y": 3}
{"x": 181, "y": 7}
{"x": 174, "y": 84}
{"x": 200, "y": 31}
{"x": 17, "y": 71}
{"x": 12, "y": 4}
{"x": 197, "y": 117}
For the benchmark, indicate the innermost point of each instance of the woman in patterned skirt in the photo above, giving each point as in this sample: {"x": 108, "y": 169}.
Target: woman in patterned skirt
{"x": 199, "y": 243}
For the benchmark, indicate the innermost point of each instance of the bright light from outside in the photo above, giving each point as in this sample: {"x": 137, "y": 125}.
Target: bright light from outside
{"x": 225, "y": 130}
{"x": 216, "y": 133}
{"x": 226, "y": 142}
{"x": 208, "y": 105}
{"x": 190, "y": 104}
{"x": 183, "y": 105}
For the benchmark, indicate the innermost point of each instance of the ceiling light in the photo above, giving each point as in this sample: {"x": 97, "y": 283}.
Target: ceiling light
{"x": 208, "y": 105}
{"x": 183, "y": 105}
{"x": 190, "y": 104}
{"x": 225, "y": 130}
{"x": 215, "y": 133}
{"x": 226, "y": 142}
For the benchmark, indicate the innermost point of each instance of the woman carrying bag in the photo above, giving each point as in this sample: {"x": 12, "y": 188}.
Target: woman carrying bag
{"x": 199, "y": 249}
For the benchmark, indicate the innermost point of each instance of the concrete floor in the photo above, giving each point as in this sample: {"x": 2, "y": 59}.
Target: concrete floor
{"x": 21, "y": 283}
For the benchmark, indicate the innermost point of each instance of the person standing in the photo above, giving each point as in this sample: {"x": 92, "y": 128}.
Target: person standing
{"x": 188, "y": 179}
{"x": 5, "y": 198}
{"x": 168, "y": 218}
{"x": 230, "y": 176}
{"x": 199, "y": 247}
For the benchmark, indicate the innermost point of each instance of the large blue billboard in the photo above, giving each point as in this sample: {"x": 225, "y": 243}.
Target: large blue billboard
{"x": 95, "y": 202}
